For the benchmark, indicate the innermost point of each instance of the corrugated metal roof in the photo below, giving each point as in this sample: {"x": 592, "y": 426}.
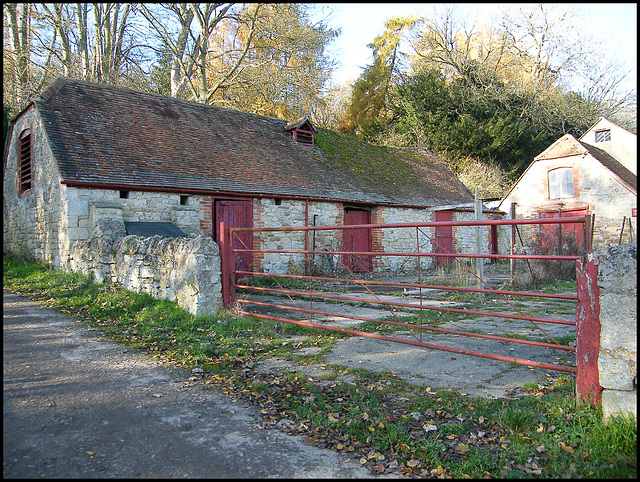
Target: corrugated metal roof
{"x": 116, "y": 136}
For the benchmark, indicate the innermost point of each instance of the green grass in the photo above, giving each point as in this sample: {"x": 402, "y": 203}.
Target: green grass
{"x": 353, "y": 411}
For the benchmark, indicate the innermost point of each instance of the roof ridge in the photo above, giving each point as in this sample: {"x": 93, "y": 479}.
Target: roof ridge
{"x": 122, "y": 88}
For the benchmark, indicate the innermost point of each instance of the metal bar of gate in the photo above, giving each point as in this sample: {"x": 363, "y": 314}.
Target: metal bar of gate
{"x": 460, "y": 351}
{"x": 406, "y": 305}
{"x": 485, "y": 222}
{"x": 420, "y": 286}
{"x": 419, "y": 255}
{"x": 410, "y": 325}
{"x": 414, "y": 285}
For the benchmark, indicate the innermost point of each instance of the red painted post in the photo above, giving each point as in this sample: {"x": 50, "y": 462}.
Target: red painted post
{"x": 588, "y": 333}
{"x": 225, "y": 262}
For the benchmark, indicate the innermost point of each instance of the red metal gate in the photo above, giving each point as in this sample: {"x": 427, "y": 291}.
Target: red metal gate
{"x": 587, "y": 384}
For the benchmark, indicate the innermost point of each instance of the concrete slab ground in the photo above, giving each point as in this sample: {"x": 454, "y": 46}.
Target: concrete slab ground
{"x": 474, "y": 376}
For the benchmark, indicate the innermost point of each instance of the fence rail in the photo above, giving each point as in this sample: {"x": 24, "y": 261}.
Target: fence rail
{"x": 300, "y": 300}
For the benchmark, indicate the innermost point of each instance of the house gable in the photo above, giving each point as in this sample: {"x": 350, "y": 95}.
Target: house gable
{"x": 566, "y": 146}
{"x": 615, "y": 141}
{"x": 573, "y": 176}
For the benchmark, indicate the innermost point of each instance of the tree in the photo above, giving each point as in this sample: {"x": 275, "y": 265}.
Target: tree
{"x": 368, "y": 113}
{"x": 190, "y": 47}
{"x": 21, "y": 78}
{"x": 285, "y": 68}
{"x": 93, "y": 42}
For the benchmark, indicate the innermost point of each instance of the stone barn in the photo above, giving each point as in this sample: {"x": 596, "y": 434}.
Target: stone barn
{"x": 86, "y": 162}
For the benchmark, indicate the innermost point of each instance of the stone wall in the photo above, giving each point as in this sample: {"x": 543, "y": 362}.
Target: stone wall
{"x": 186, "y": 270}
{"x": 618, "y": 360}
{"x": 32, "y": 222}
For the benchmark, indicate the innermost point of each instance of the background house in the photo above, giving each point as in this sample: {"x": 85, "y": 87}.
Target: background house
{"x": 84, "y": 160}
{"x": 596, "y": 175}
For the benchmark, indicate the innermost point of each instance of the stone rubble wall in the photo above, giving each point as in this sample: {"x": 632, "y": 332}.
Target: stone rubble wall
{"x": 186, "y": 270}
{"x": 618, "y": 357}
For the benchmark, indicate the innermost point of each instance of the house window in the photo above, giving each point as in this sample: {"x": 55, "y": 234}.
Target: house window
{"x": 561, "y": 183}
{"x": 184, "y": 200}
{"x": 124, "y": 194}
{"x": 24, "y": 162}
{"x": 603, "y": 135}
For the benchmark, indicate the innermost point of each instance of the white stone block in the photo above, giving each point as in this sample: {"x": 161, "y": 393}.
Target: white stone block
{"x": 619, "y": 402}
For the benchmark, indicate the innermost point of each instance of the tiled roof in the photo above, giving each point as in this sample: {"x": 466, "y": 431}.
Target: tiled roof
{"x": 613, "y": 165}
{"x": 109, "y": 135}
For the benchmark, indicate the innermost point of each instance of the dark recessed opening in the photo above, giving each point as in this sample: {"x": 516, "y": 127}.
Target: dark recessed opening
{"x": 184, "y": 200}
{"x": 124, "y": 194}
{"x": 278, "y": 202}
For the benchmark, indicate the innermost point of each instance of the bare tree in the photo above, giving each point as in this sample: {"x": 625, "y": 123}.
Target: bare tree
{"x": 17, "y": 18}
{"x": 190, "y": 45}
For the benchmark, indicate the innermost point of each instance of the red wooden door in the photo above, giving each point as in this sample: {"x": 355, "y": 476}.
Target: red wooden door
{"x": 357, "y": 240}
{"x": 239, "y": 214}
{"x": 444, "y": 238}
{"x": 572, "y": 237}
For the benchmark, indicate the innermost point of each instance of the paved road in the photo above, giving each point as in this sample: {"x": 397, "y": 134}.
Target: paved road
{"x": 78, "y": 406}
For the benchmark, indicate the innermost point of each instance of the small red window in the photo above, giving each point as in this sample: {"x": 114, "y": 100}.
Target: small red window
{"x": 24, "y": 162}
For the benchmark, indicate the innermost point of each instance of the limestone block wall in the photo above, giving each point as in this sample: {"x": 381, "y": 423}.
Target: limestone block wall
{"x": 32, "y": 222}
{"x": 405, "y": 239}
{"x": 617, "y": 360}
{"x": 186, "y": 270}
{"x": 102, "y": 212}
{"x": 270, "y": 212}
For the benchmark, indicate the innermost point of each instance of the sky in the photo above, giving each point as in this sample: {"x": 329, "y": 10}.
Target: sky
{"x": 362, "y": 22}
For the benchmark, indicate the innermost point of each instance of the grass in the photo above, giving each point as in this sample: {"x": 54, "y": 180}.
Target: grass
{"x": 376, "y": 417}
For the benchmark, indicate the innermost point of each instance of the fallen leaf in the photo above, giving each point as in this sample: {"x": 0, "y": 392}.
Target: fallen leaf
{"x": 567, "y": 448}
{"x": 429, "y": 427}
{"x": 462, "y": 448}
{"x": 412, "y": 463}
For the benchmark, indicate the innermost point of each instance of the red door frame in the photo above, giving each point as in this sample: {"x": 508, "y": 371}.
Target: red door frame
{"x": 357, "y": 240}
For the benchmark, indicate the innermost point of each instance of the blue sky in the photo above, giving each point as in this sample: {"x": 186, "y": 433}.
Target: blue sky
{"x": 362, "y": 22}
